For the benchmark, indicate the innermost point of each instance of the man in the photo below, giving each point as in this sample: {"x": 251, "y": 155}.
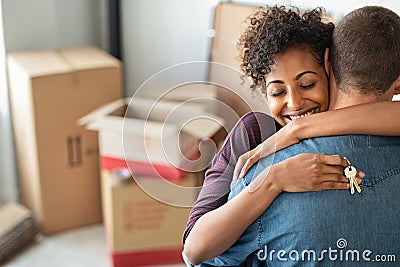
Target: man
{"x": 335, "y": 227}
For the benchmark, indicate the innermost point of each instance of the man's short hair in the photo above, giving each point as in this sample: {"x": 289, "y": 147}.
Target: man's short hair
{"x": 366, "y": 50}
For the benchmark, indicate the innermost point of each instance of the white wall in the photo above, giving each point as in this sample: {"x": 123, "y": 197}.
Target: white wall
{"x": 159, "y": 34}
{"x": 50, "y": 24}
{"x": 36, "y": 25}
{"x": 8, "y": 183}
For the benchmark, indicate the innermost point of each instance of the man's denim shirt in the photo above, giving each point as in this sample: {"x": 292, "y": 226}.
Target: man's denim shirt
{"x": 328, "y": 228}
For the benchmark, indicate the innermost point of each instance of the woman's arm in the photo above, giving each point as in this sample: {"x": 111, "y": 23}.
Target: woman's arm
{"x": 217, "y": 230}
{"x": 245, "y": 135}
{"x": 372, "y": 118}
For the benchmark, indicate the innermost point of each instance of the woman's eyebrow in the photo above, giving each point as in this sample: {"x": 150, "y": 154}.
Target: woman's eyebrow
{"x": 274, "y": 81}
{"x": 298, "y": 76}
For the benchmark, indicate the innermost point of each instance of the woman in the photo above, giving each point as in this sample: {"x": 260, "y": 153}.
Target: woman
{"x": 283, "y": 52}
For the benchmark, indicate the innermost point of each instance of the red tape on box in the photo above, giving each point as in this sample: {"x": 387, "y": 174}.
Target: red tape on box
{"x": 152, "y": 257}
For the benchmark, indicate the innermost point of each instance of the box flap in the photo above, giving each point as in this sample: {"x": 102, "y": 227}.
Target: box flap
{"x": 164, "y": 111}
{"x": 153, "y": 118}
{"x": 133, "y": 126}
{"x": 205, "y": 126}
{"x": 101, "y": 119}
{"x": 88, "y": 58}
{"x": 101, "y": 112}
{"x": 39, "y": 63}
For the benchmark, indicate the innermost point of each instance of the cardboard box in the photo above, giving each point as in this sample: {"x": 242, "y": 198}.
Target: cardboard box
{"x": 154, "y": 138}
{"x": 57, "y": 160}
{"x": 228, "y": 24}
{"x": 140, "y": 229}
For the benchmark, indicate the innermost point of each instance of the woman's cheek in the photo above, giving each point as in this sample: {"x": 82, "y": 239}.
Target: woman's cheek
{"x": 273, "y": 107}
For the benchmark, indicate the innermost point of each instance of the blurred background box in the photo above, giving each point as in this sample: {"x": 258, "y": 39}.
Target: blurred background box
{"x": 140, "y": 229}
{"x": 58, "y": 161}
{"x": 228, "y": 25}
{"x": 154, "y": 137}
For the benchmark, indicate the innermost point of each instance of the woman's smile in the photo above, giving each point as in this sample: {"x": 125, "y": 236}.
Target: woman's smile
{"x": 302, "y": 113}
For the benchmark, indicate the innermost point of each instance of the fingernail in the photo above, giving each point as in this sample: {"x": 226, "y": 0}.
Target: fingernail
{"x": 361, "y": 174}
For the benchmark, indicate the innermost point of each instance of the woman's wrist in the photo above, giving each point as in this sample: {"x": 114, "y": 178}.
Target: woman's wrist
{"x": 272, "y": 183}
{"x": 298, "y": 128}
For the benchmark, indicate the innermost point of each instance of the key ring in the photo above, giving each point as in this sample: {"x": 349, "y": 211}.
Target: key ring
{"x": 348, "y": 162}
{"x": 351, "y": 174}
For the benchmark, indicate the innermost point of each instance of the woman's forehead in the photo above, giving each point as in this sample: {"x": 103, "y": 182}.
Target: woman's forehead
{"x": 294, "y": 60}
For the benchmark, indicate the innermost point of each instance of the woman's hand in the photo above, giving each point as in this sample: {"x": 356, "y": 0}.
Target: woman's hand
{"x": 309, "y": 172}
{"x": 285, "y": 137}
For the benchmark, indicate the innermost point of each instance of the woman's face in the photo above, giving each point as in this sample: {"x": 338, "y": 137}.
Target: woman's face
{"x": 297, "y": 86}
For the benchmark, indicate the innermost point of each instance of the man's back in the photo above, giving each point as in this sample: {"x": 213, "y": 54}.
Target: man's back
{"x": 335, "y": 226}
{"x": 329, "y": 228}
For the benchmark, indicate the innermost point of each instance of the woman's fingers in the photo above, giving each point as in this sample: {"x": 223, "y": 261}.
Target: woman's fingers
{"x": 336, "y": 164}
{"x": 331, "y": 159}
{"x": 241, "y": 161}
{"x": 245, "y": 162}
{"x": 249, "y": 163}
{"x": 314, "y": 172}
{"x": 360, "y": 174}
{"x": 332, "y": 186}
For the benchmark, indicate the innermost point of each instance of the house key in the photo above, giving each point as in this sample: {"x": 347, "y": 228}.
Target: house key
{"x": 350, "y": 172}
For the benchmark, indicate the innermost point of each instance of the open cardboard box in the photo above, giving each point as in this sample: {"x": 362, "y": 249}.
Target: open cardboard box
{"x": 153, "y": 138}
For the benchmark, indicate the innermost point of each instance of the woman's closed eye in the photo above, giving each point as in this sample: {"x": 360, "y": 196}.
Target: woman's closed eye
{"x": 308, "y": 85}
{"x": 278, "y": 93}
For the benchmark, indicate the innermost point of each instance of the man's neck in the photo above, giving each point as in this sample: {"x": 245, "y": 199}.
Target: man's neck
{"x": 351, "y": 99}
{"x": 351, "y": 96}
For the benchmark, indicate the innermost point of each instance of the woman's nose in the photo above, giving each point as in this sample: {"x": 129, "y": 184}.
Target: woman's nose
{"x": 295, "y": 100}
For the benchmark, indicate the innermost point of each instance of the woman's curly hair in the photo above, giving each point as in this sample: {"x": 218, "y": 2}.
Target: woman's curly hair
{"x": 272, "y": 30}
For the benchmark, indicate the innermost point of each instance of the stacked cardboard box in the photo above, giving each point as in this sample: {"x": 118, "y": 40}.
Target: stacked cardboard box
{"x": 140, "y": 229}
{"x": 58, "y": 160}
{"x": 158, "y": 143}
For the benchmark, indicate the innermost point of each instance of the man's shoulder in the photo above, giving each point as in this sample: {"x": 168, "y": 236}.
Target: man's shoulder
{"x": 350, "y": 141}
{"x": 339, "y": 144}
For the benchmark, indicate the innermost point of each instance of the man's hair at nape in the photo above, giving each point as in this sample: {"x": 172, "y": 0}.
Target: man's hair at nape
{"x": 366, "y": 50}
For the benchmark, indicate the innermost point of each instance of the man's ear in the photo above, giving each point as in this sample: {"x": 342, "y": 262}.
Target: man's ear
{"x": 397, "y": 86}
{"x": 327, "y": 62}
